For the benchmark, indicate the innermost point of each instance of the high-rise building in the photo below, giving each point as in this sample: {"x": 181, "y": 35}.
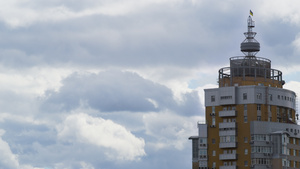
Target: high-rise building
{"x": 251, "y": 121}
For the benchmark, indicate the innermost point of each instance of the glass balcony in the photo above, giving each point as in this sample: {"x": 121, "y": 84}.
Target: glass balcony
{"x": 228, "y": 156}
{"x": 228, "y": 145}
{"x": 227, "y": 125}
{"x": 227, "y": 113}
{"x": 227, "y": 133}
{"x": 228, "y": 167}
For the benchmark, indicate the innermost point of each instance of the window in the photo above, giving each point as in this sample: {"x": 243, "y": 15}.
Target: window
{"x": 245, "y": 107}
{"x": 245, "y": 119}
{"x": 246, "y": 163}
{"x": 259, "y": 107}
{"x": 284, "y": 162}
{"x": 225, "y": 97}
{"x": 213, "y": 99}
{"x": 246, "y": 151}
{"x": 270, "y": 97}
{"x": 258, "y": 96}
{"x": 213, "y": 121}
{"x": 213, "y": 109}
{"x": 245, "y": 139}
{"x": 289, "y": 113}
{"x": 258, "y": 118}
{"x": 202, "y": 140}
{"x": 203, "y": 153}
{"x": 214, "y": 165}
{"x": 213, "y": 141}
{"x": 244, "y": 96}
{"x": 227, "y": 139}
{"x": 214, "y": 153}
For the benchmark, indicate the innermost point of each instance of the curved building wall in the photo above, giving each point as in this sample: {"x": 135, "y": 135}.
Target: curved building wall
{"x": 250, "y": 95}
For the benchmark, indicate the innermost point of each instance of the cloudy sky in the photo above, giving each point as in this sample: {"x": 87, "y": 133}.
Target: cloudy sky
{"x": 106, "y": 84}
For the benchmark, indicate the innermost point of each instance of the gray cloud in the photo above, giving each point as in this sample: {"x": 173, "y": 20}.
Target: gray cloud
{"x": 111, "y": 91}
{"x": 163, "y": 41}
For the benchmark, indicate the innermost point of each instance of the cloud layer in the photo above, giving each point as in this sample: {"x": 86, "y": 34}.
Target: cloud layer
{"x": 119, "y": 84}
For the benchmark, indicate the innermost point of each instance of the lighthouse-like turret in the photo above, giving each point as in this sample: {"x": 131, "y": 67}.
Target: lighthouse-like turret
{"x": 250, "y": 46}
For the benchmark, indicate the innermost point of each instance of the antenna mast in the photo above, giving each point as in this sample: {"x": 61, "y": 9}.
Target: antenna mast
{"x": 250, "y": 46}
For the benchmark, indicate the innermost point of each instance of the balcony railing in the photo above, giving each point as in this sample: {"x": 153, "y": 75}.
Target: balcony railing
{"x": 227, "y": 125}
{"x": 228, "y": 156}
{"x": 227, "y": 133}
{"x": 228, "y": 167}
{"x": 227, "y": 113}
{"x": 228, "y": 145}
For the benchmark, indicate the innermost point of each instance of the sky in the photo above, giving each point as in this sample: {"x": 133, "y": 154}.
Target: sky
{"x": 106, "y": 84}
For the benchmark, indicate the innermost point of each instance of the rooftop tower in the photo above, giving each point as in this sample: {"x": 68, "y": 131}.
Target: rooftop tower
{"x": 250, "y": 118}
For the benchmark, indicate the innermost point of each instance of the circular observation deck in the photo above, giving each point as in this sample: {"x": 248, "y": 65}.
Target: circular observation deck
{"x": 251, "y": 69}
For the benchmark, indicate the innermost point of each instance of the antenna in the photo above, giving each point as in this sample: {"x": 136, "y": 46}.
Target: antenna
{"x": 250, "y": 46}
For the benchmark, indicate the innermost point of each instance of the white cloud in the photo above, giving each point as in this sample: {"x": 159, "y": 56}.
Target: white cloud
{"x": 16, "y": 13}
{"x": 170, "y": 130}
{"x": 294, "y": 86}
{"x": 174, "y": 48}
{"x": 8, "y": 159}
{"x": 287, "y": 11}
{"x": 121, "y": 143}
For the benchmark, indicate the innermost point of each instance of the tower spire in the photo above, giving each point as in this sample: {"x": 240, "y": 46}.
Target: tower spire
{"x": 250, "y": 46}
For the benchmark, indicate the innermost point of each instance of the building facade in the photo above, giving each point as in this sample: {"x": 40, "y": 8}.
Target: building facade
{"x": 251, "y": 120}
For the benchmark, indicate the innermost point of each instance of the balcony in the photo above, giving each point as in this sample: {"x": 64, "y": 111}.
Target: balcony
{"x": 203, "y": 157}
{"x": 227, "y": 125}
{"x": 227, "y": 113}
{"x": 228, "y": 156}
{"x": 228, "y": 145}
{"x": 227, "y": 133}
{"x": 228, "y": 167}
{"x": 202, "y": 145}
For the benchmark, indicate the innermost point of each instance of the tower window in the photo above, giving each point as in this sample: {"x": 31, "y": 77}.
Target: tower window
{"x": 244, "y": 96}
{"x": 245, "y": 119}
{"x": 258, "y": 118}
{"x": 246, "y": 163}
{"x": 259, "y": 107}
{"x": 213, "y": 99}
{"x": 258, "y": 96}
